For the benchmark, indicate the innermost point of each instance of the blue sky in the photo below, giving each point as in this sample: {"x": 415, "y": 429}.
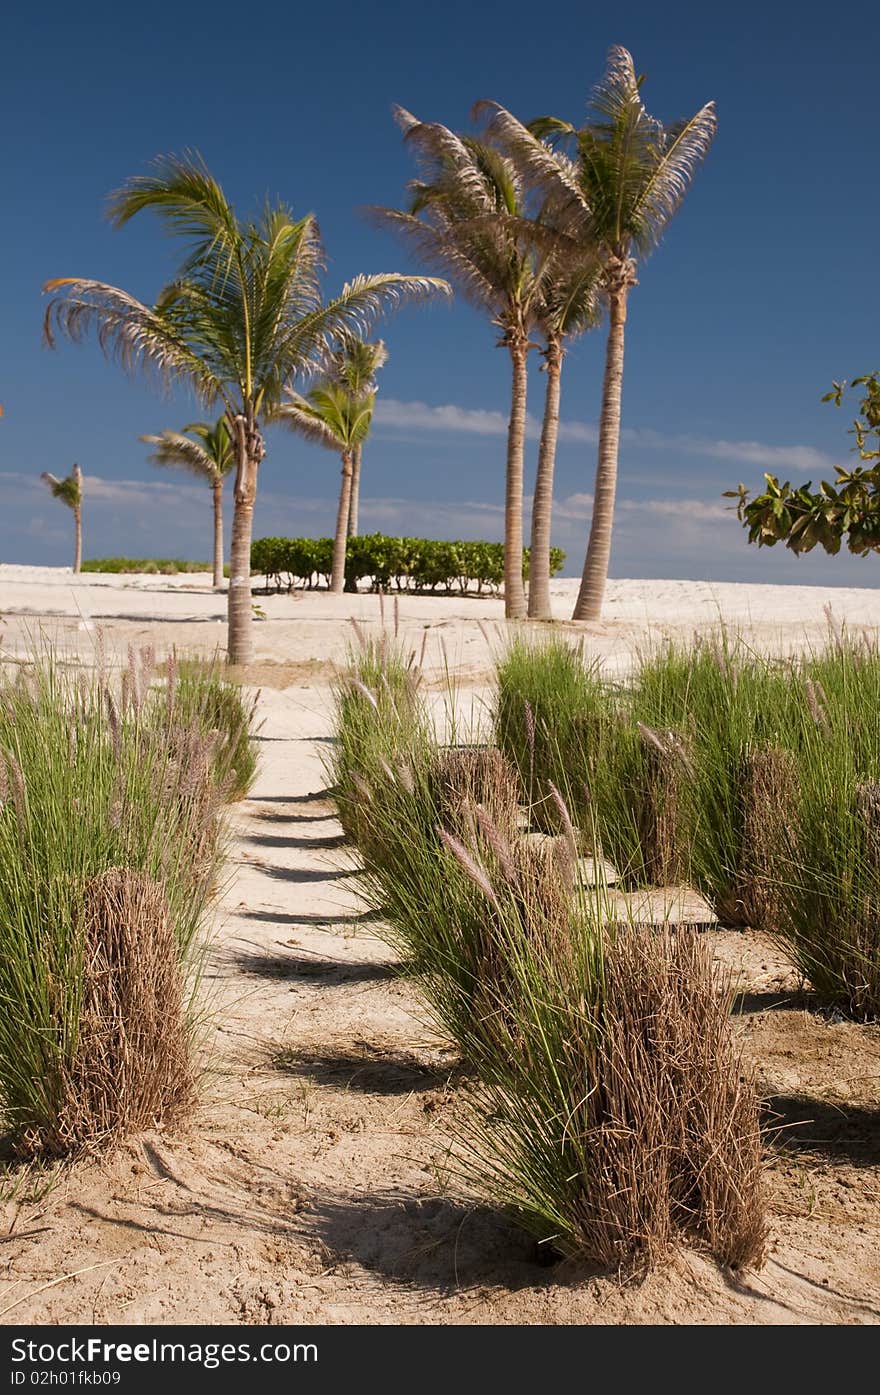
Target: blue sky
{"x": 763, "y": 290}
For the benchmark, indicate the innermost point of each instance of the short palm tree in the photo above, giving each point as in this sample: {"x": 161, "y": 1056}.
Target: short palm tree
{"x": 339, "y": 419}
{"x": 243, "y": 316}
{"x": 354, "y": 367}
{"x": 464, "y": 218}
{"x": 205, "y": 451}
{"x": 626, "y": 177}
{"x": 70, "y": 492}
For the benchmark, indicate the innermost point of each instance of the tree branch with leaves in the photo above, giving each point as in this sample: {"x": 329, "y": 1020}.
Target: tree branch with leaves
{"x": 847, "y": 509}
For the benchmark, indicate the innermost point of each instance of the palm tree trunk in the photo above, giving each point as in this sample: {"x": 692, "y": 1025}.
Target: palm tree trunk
{"x": 217, "y": 490}
{"x": 542, "y": 504}
{"x": 355, "y": 493}
{"x": 77, "y": 556}
{"x": 595, "y": 574}
{"x": 514, "y": 591}
{"x": 337, "y": 576}
{"x": 249, "y": 446}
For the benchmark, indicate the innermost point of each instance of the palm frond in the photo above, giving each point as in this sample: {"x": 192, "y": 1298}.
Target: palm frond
{"x": 355, "y": 310}
{"x": 549, "y": 174}
{"x": 301, "y": 416}
{"x": 286, "y": 282}
{"x": 188, "y": 199}
{"x": 439, "y": 249}
{"x": 330, "y": 416}
{"x": 443, "y": 156}
{"x": 355, "y": 363}
{"x": 138, "y": 338}
{"x": 174, "y": 450}
{"x": 68, "y": 490}
{"x": 686, "y": 145}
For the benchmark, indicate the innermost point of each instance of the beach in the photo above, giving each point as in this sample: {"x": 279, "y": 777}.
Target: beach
{"x": 311, "y": 1184}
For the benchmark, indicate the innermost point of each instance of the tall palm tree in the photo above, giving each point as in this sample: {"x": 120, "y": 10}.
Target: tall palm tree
{"x": 464, "y": 218}
{"x": 569, "y": 307}
{"x": 205, "y": 451}
{"x": 626, "y": 177}
{"x": 337, "y": 418}
{"x": 70, "y": 492}
{"x": 241, "y": 319}
{"x": 354, "y": 367}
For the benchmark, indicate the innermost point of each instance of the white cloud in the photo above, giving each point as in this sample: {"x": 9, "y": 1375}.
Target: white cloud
{"x": 697, "y": 510}
{"x": 406, "y": 416}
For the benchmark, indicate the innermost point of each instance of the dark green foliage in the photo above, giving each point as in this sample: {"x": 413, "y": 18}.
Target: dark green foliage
{"x": 849, "y": 509}
{"x": 417, "y": 564}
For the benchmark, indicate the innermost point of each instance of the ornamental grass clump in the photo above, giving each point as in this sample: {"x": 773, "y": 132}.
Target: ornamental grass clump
{"x": 550, "y": 712}
{"x": 606, "y": 1105}
{"x": 110, "y": 852}
{"x": 130, "y": 1067}
{"x": 827, "y": 884}
{"x": 725, "y": 716}
{"x": 609, "y": 1107}
{"x": 379, "y": 723}
{"x": 199, "y": 697}
{"x": 611, "y": 1112}
{"x": 564, "y": 727}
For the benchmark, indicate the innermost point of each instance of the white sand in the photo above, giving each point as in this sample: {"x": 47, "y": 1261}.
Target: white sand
{"x": 306, "y": 1188}
{"x": 311, "y": 627}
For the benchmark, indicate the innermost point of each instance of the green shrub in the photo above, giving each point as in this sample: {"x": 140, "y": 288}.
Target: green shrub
{"x": 418, "y": 564}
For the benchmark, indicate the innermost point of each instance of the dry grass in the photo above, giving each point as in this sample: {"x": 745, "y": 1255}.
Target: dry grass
{"x": 769, "y": 799}
{"x": 672, "y": 1130}
{"x": 130, "y": 1068}
{"x": 660, "y": 809}
{"x": 463, "y": 778}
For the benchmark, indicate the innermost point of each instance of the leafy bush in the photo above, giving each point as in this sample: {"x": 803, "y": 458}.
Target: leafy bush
{"x": 417, "y": 564}
{"x": 109, "y": 844}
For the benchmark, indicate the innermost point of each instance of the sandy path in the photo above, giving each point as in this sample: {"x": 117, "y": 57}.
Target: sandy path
{"x": 306, "y": 1187}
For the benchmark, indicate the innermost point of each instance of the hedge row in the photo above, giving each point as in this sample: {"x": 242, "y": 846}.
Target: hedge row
{"x": 400, "y": 564}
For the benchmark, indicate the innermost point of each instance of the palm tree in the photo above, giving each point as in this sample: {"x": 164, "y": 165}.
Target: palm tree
{"x": 569, "y": 307}
{"x": 70, "y": 492}
{"x": 627, "y": 177}
{"x": 205, "y": 451}
{"x": 464, "y": 218}
{"x": 354, "y": 367}
{"x": 241, "y": 319}
{"x": 335, "y": 417}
